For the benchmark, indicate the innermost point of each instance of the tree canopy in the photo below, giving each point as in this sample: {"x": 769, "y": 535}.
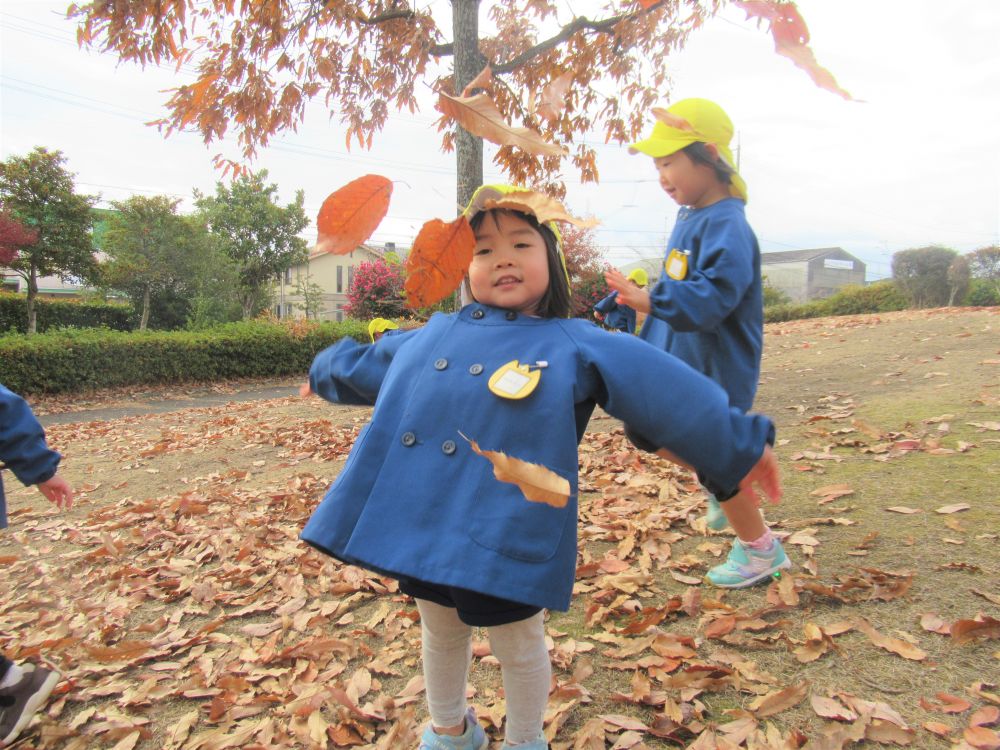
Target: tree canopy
{"x": 925, "y": 275}
{"x": 39, "y": 193}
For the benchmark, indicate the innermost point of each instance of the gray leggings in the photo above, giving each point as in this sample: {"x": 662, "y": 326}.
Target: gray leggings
{"x": 524, "y": 661}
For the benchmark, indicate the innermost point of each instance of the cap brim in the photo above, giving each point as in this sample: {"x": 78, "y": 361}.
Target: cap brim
{"x": 478, "y": 202}
{"x": 657, "y": 147}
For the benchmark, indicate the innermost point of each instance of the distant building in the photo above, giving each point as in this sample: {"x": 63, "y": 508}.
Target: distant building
{"x": 806, "y": 275}
{"x": 334, "y": 274}
{"x": 49, "y": 287}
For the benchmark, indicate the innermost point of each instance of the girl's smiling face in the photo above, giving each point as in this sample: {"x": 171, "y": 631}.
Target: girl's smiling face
{"x": 689, "y": 183}
{"x": 509, "y": 266}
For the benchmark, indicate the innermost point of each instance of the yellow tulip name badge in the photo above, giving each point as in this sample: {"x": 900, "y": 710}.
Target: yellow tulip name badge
{"x": 676, "y": 264}
{"x": 515, "y": 380}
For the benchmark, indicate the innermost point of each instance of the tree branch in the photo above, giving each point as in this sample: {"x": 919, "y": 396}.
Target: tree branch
{"x": 580, "y": 23}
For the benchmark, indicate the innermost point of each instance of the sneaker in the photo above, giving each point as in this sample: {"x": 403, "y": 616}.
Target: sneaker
{"x": 473, "y": 738}
{"x": 539, "y": 744}
{"x": 715, "y": 517}
{"x": 746, "y": 566}
{"x": 19, "y": 702}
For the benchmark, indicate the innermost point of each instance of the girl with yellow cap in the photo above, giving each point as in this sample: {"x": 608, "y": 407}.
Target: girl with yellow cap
{"x": 615, "y": 315}
{"x": 419, "y": 502}
{"x": 707, "y": 306}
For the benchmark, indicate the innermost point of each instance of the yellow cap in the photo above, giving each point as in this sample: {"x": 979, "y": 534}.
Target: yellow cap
{"x": 380, "y": 325}
{"x": 486, "y": 193}
{"x": 692, "y": 121}
{"x": 639, "y": 276}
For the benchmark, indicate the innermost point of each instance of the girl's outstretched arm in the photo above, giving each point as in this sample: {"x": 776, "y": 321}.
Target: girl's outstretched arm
{"x": 628, "y": 293}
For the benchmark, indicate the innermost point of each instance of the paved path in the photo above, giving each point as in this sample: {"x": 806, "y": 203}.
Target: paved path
{"x": 153, "y": 405}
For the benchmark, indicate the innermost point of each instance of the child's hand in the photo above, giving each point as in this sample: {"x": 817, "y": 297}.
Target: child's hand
{"x": 58, "y": 491}
{"x": 765, "y": 476}
{"x": 305, "y": 389}
{"x": 628, "y": 293}
{"x": 598, "y": 315}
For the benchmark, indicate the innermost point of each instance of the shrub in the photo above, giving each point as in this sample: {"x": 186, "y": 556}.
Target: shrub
{"x": 61, "y": 314}
{"x": 77, "y": 360}
{"x": 982, "y": 293}
{"x": 881, "y": 296}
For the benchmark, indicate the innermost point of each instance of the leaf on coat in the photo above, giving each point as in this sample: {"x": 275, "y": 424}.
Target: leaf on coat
{"x": 538, "y": 483}
{"x": 543, "y": 207}
{"x": 437, "y": 263}
{"x": 480, "y": 116}
{"x": 349, "y": 215}
{"x": 552, "y": 100}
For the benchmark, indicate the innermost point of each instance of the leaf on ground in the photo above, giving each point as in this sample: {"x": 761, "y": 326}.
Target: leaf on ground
{"x": 893, "y": 645}
{"x": 986, "y": 716}
{"x": 953, "y": 508}
{"x": 938, "y": 728}
{"x": 984, "y": 627}
{"x": 934, "y": 624}
{"x": 349, "y": 215}
{"x": 538, "y": 483}
{"x": 903, "y": 509}
{"x": 829, "y": 708}
{"x": 982, "y": 738}
{"x": 779, "y": 700}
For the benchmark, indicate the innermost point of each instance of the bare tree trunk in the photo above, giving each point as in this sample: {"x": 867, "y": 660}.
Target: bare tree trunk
{"x": 32, "y": 294}
{"x": 468, "y": 62}
{"x": 144, "y": 321}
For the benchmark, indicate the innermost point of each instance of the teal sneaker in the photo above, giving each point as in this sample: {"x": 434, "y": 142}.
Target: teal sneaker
{"x": 746, "y": 566}
{"x": 539, "y": 744}
{"x": 473, "y": 738}
{"x": 715, "y": 517}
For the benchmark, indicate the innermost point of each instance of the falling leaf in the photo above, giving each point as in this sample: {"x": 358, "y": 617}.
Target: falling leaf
{"x": 954, "y": 508}
{"x": 538, "y": 483}
{"x": 895, "y": 645}
{"x": 791, "y": 39}
{"x": 482, "y": 80}
{"x": 349, "y": 215}
{"x": 544, "y": 207}
{"x": 438, "y": 262}
{"x": 480, "y": 116}
{"x": 779, "y": 700}
{"x": 552, "y": 100}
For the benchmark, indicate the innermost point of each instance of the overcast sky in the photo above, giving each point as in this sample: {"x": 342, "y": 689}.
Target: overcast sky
{"x": 917, "y": 163}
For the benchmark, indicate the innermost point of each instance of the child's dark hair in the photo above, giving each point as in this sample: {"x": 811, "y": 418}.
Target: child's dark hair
{"x": 698, "y": 153}
{"x": 557, "y": 302}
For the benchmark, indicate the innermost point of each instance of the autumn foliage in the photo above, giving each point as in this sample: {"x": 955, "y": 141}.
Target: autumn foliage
{"x": 13, "y": 236}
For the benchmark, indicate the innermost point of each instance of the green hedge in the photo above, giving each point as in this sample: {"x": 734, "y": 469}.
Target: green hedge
{"x": 51, "y": 314}
{"x": 79, "y": 360}
{"x": 882, "y": 296}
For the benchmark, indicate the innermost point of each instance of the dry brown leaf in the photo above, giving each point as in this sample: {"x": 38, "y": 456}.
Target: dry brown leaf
{"x": 953, "y": 508}
{"x": 538, "y": 483}
{"x": 938, "y": 728}
{"x": 982, "y": 738}
{"x": 986, "y": 716}
{"x": 779, "y": 700}
{"x": 483, "y": 80}
{"x": 894, "y": 645}
{"x": 964, "y": 631}
{"x": 904, "y": 509}
{"x": 828, "y": 708}
{"x": 479, "y": 115}
{"x": 543, "y": 207}
{"x": 934, "y": 624}
{"x": 552, "y": 100}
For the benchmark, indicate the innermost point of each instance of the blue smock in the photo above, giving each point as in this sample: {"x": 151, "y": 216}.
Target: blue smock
{"x": 22, "y": 446}
{"x": 616, "y": 315}
{"x": 713, "y": 317}
{"x": 414, "y": 500}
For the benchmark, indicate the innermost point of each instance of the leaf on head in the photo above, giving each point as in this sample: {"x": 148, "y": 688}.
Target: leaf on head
{"x": 543, "y": 207}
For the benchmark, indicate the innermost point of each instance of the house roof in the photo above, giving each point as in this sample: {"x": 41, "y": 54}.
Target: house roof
{"x": 795, "y": 256}
{"x": 378, "y": 252}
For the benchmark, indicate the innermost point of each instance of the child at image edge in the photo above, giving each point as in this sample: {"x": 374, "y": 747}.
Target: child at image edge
{"x": 616, "y": 316}
{"x": 707, "y": 307}
{"x": 416, "y": 503}
{"x": 24, "y": 687}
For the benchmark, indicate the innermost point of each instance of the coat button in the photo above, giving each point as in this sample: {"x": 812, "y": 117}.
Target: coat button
{"x": 408, "y": 439}
{"x": 510, "y": 315}
{"x": 478, "y": 314}
{"x": 475, "y": 369}
{"x": 440, "y": 364}
{"x": 448, "y": 447}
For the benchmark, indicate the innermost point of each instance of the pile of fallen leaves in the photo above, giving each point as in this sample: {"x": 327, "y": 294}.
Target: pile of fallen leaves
{"x": 195, "y": 619}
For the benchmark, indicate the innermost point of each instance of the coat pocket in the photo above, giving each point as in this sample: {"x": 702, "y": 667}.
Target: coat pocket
{"x": 504, "y": 521}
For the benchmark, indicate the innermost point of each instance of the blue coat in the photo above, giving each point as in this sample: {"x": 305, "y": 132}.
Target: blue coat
{"x": 414, "y": 500}
{"x": 22, "y": 446}
{"x": 616, "y": 315}
{"x": 713, "y": 317}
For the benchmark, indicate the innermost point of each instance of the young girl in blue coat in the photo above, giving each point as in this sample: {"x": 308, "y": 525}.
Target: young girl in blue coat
{"x": 510, "y": 372}
{"x": 707, "y": 306}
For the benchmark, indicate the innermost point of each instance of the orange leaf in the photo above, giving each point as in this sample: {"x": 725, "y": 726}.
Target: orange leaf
{"x": 481, "y": 81}
{"x": 791, "y": 39}
{"x": 967, "y": 630}
{"x": 538, "y": 483}
{"x": 480, "y": 116}
{"x": 437, "y": 263}
{"x": 895, "y": 645}
{"x": 982, "y": 738}
{"x": 350, "y": 215}
{"x": 986, "y": 716}
{"x": 936, "y": 727}
{"x": 720, "y": 627}
{"x": 779, "y": 700}
{"x": 552, "y": 100}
